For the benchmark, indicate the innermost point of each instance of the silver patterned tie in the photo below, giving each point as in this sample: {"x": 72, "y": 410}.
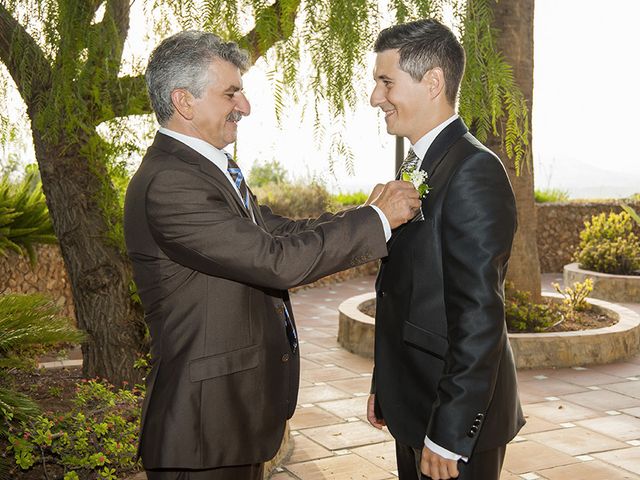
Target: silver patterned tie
{"x": 410, "y": 163}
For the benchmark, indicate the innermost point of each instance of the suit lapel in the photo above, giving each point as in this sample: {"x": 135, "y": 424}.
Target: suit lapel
{"x": 436, "y": 153}
{"x": 206, "y": 166}
{"x": 441, "y": 145}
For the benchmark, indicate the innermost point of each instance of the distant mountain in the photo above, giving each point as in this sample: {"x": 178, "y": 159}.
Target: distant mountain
{"x": 583, "y": 180}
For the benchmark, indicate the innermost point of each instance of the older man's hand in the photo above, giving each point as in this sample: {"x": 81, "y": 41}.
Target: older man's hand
{"x": 399, "y": 201}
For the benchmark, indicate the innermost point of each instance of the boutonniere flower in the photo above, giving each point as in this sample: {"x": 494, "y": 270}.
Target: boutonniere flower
{"x": 419, "y": 179}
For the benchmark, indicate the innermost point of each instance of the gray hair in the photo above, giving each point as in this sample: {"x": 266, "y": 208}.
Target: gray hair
{"x": 423, "y": 45}
{"x": 182, "y": 61}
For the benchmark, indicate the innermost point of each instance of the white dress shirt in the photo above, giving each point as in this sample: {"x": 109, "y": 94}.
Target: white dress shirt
{"x": 420, "y": 149}
{"x": 219, "y": 159}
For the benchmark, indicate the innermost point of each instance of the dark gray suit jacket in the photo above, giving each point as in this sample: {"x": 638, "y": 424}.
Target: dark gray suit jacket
{"x": 214, "y": 287}
{"x": 443, "y": 364}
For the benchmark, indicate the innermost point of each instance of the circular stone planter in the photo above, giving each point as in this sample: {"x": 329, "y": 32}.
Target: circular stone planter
{"x": 614, "y": 288}
{"x": 531, "y": 350}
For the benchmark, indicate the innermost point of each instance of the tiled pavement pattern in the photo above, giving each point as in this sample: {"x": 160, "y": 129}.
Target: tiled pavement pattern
{"x": 583, "y": 423}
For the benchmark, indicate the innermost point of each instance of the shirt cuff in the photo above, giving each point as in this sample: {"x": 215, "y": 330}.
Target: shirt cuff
{"x": 443, "y": 452}
{"x": 385, "y": 222}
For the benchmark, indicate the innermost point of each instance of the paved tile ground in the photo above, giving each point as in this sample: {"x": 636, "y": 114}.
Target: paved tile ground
{"x": 583, "y": 423}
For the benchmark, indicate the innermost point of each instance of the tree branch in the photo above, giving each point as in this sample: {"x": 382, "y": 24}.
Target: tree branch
{"x": 258, "y": 45}
{"x": 115, "y": 25}
{"x": 128, "y": 97}
{"x": 26, "y": 62}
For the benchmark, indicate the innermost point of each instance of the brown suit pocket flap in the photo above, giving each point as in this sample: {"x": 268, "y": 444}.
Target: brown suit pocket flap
{"x": 223, "y": 364}
{"x": 425, "y": 340}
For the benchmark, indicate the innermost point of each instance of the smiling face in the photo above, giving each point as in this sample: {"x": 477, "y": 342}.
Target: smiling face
{"x": 406, "y": 103}
{"x": 215, "y": 115}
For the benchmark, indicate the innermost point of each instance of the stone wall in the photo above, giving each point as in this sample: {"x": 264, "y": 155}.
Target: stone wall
{"x": 559, "y": 226}
{"x": 47, "y": 276}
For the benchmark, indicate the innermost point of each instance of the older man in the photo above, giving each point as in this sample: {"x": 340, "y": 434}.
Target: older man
{"x": 213, "y": 268}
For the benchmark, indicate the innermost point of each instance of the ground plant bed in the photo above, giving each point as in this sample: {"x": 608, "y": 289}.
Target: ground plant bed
{"x": 55, "y": 391}
{"x": 606, "y": 286}
{"x": 605, "y": 333}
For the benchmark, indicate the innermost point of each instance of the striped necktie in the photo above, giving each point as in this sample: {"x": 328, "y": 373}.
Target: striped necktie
{"x": 410, "y": 163}
{"x": 238, "y": 178}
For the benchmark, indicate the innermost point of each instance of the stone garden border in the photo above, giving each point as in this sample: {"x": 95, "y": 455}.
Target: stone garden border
{"x": 613, "y": 288}
{"x": 531, "y": 350}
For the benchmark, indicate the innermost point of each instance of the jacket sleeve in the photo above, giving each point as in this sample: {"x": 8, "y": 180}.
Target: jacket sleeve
{"x": 478, "y": 225}
{"x": 194, "y": 225}
{"x": 279, "y": 225}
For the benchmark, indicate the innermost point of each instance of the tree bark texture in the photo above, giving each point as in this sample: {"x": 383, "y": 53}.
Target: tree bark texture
{"x": 98, "y": 271}
{"x": 514, "y": 20}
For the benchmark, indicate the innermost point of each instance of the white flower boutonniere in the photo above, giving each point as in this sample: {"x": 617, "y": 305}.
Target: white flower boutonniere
{"x": 419, "y": 179}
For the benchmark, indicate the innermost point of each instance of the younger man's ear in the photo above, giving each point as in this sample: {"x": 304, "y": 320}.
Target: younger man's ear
{"x": 434, "y": 80}
{"x": 182, "y": 101}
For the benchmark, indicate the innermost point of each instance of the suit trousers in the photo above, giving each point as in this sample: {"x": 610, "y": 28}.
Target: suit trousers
{"x": 240, "y": 472}
{"x": 481, "y": 466}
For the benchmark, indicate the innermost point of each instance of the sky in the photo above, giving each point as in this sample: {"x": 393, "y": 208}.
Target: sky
{"x": 586, "y": 72}
{"x": 586, "y": 100}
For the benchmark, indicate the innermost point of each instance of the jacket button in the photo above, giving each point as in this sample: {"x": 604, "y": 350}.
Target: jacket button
{"x": 285, "y": 358}
{"x": 381, "y": 294}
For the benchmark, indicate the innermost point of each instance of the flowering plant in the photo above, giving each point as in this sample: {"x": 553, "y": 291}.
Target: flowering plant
{"x": 419, "y": 179}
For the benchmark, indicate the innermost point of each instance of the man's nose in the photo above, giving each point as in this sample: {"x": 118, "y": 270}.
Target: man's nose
{"x": 376, "y": 98}
{"x": 243, "y": 106}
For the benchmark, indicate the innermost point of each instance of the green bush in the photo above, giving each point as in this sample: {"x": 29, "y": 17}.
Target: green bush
{"x": 26, "y": 323}
{"x": 350, "y": 199}
{"x": 295, "y": 200}
{"x": 24, "y": 217}
{"x": 96, "y": 439}
{"x": 608, "y": 245}
{"x": 549, "y": 195}
{"x": 632, "y": 213}
{"x": 522, "y": 315}
{"x": 269, "y": 172}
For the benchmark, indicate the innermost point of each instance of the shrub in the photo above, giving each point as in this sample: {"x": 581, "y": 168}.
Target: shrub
{"x": 548, "y": 195}
{"x": 27, "y": 321}
{"x": 296, "y": 200}
{"x": 350, "y": 199}
{"x": 632, "y": 213}
{"x": 522, "y": 315}
{"x": 608, "y": 245}
{"x": 24, "y": 217}
{"x": 575, "y": 298}
{"x": 269, "y": 172}
{"x": 98, "y": 436}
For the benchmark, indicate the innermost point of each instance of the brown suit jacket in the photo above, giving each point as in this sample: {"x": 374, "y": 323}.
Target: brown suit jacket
{"x": 214, "y": 287}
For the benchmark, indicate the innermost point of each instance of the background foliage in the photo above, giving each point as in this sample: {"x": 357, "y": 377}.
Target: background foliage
{"x": 24, "y": 217}
{"x": 609, "y": 245}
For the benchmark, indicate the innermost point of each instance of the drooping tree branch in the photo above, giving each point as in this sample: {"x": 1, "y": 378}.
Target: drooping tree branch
{"x": 74, "y": 24}
{"x": 258, "y": 42}
{"x": 25, "y": 60}
{"x": 128, "y": 97}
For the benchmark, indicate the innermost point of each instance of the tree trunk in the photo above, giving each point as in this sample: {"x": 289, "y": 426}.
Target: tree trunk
{"x": 75, "y": 188}
{"x": 514, "y": 20}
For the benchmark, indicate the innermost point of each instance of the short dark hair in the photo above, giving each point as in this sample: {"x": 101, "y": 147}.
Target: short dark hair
{"x": 182, "y": 61}
{"x": 423, "y": 45}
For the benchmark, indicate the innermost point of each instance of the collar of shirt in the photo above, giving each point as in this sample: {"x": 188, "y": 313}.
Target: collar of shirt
{"x": 211, "y": 153}
{"x": 214, "y": 155}
{"x": 422, "y": 146}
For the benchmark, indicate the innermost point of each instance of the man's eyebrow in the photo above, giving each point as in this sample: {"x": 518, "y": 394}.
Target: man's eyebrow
{"x": 383, "y": 77}
{"x": 233, "y": 88}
